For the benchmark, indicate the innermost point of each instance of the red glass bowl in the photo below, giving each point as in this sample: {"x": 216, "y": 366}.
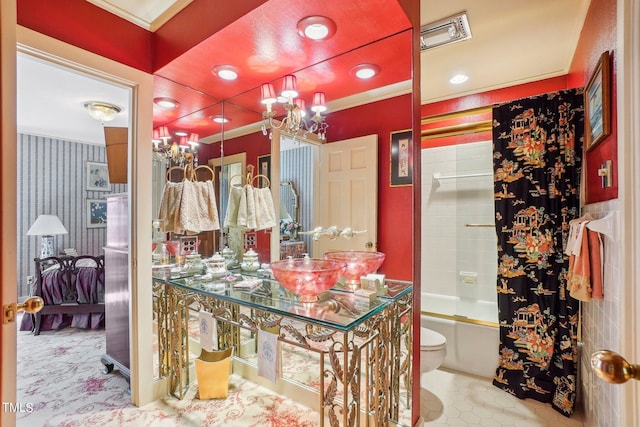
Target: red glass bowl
{"x": 359, "y": 263}
{"x": 307, "y": 277}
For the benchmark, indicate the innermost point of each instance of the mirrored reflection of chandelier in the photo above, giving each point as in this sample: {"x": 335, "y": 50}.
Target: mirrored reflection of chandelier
{"x": 175, "y": 153}
{"x": 295, "y": 121}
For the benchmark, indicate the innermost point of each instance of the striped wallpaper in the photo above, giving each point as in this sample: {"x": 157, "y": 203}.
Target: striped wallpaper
{"x": 51, "y": 179}
{"x": 296, "y": 165}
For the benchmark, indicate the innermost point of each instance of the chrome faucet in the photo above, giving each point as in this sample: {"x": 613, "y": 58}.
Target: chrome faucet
{"x": 333, "y": 232}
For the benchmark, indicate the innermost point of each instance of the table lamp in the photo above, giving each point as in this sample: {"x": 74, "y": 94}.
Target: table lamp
{"x": 46, "y": 226}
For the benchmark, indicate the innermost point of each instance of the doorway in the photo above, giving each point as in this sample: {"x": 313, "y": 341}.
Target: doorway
{"x": 140, "y": 87}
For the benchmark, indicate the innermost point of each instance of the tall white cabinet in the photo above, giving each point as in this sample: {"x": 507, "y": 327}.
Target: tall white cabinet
{"x": 117, "y": 291}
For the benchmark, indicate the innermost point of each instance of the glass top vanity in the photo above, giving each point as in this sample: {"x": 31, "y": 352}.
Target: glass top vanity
{"x": 336, "y": 309}
{"x": 357, "y": 347}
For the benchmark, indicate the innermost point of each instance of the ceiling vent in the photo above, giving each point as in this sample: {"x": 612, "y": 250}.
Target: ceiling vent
{"x": 448, "y": 30}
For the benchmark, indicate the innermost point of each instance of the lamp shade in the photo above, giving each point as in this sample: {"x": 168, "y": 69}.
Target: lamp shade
{"x": 289, "y": 86}
{"x": 318, "y": 105}
{"x": 301, "y": 106}
{"x": 268, "y": 93}
{"x": 46, "y": 225}
{"x": 194, "y": 138}
{"x": 164, "y": 133}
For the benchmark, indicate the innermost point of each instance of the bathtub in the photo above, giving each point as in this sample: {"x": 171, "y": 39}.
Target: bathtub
{"x": 472, "y": 346}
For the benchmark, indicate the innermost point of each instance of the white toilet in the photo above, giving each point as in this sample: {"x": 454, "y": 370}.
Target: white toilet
{"x": 433, "y": 349}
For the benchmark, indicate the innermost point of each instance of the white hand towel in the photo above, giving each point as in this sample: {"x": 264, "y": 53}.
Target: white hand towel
{"x": 269, "y": 364}
{"x": 189, "y": 218}
{"x": 208, "y": 331}
{"x": 252, "y": 213}
{"x": 265, "y": 210}
{"x": 170, "y": 206}
{"x": 207, "y": 210}
{"x": 213, "y": 205}
{"x": 242, "y": 209}
{"x": 233, "y": 210}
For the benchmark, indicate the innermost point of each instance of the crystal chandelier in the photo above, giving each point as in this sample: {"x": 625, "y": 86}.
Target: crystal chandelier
{"x": 175, "y": 153}
{"x": 295, "y": 121}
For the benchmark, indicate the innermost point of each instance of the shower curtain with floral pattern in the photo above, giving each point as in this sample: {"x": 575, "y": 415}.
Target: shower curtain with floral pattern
{"x": 537, "y": 162}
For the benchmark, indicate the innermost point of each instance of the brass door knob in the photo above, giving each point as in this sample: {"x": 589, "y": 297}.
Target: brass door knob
{"x": 31, "y": 305}
{"x": 368, "y": 245}
{"x": 613, "y": 368}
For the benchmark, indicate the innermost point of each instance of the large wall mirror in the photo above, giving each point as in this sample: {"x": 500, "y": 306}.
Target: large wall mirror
{"x": 297, "y": 154}
{"x": 289, "y": 159}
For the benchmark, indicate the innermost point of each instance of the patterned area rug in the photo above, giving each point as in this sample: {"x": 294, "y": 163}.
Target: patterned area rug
{"x": 59, "y": 376}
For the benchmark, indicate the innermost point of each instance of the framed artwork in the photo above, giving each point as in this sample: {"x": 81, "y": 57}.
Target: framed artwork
{"x": 264, "y": 168}
{"x": 597, "y": 103}
{"x": 98, "y": 177}
{"x": 401, "y": 156}
{"x": 96, "y": 213}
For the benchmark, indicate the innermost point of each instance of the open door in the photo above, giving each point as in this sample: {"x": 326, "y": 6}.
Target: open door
{"x": 116, "y": 140}
{"x": 8, "y": 292}
{"x": 348, "y": 193}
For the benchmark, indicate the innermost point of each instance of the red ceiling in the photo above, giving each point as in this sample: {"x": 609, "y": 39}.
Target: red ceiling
{"x": 262, "y": 43}
{"x": 264, "y": 46}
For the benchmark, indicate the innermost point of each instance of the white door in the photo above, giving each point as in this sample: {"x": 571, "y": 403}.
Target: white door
{"x": 348, "y": 193}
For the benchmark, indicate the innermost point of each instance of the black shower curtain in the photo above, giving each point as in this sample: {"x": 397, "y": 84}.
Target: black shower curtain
{"x": 537, "y": 162}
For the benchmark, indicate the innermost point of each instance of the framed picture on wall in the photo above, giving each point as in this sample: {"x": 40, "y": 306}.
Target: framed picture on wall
{"x": 597, "y": 103}
{"x": 96, "y": 213}
{"x": 401, "y": 154}
{"x": 98, "y": 177}
{"x": 264, "y": 168}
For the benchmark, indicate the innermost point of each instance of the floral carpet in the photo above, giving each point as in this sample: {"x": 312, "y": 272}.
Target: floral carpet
{"x": 60, "y": 383}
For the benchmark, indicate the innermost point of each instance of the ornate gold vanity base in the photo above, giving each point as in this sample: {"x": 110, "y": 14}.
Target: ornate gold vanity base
{"x": 360, "y": 368}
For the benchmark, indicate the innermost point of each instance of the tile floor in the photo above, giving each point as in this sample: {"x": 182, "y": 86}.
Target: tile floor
{"x": 450, "y": 399}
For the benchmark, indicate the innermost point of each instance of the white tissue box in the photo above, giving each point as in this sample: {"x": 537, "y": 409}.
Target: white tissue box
{"x": 367, "y": 294}
{"x": 374, "y": 282}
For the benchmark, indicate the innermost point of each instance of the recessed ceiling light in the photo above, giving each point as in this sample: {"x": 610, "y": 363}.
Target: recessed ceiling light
{"x": 458, "y": 79}
{"x": 220, "y": 119}
{"x": 181, "y": 133}
{"x": 365, "y": 71}
{"x": 225, "y": 72}
{"x": 316, "y": 27}
{"x": 166, "y": 102}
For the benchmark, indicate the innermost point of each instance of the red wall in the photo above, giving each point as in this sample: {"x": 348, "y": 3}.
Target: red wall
{"x": 84, "y": 25}
{"x": 395, "y": 204}
{"x": 482, "y": 100}
{"x": 395, "y": 207}
{"x": 598, "y": 35}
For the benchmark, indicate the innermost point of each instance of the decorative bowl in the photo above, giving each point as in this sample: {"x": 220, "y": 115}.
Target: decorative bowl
{"x": 173, "y": 246}
{"x": 307, "y": 277}
{"x": 359, "y": 263}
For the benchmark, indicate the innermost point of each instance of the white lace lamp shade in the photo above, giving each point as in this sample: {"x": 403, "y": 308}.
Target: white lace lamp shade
{"x": 46, "y": 226}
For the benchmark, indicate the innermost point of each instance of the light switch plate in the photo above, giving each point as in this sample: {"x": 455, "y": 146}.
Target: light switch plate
{"x": 605, "y": 174}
